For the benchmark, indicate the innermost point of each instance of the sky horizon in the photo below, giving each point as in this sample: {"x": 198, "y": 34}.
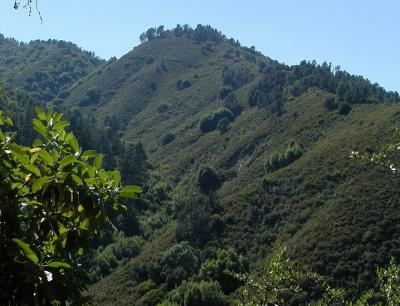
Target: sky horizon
{"x": 359, "y": 36}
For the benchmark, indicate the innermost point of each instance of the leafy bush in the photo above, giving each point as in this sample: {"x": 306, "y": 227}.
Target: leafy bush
{"x": 179, "y": 263}
{"x": 209, "y": 179}
{"x": 182, "y": 85}
{"x": 124, "y": 247}
{"x": 285, "y": 156}
{"x": 284, "y": 284}
{"x": 198, "y": 294}
{"x": 209, "y": 122}
{"x": 344, "y": 109}
{"x": 221, "y": 267}
{"x": 330, "y": 103}
{"x": 168, "y": 138}
{"x": 225, "y": 91}
{"x": 232, "y": 104}
{"x": 162, "y": 108}
{"x": 236, "y": 78}
{"x": 92, "y": 97}
{"x": 222, "y": 125}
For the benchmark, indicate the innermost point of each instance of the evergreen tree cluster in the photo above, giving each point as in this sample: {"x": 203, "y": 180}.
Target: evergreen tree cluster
{"x": 200, "y": 34}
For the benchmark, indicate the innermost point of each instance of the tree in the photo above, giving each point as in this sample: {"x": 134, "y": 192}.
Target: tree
{"x": 208, "y": 179}
{"x": 160, "y": 30}
{"x": 53, "y": 199}
{"x": 134, "y": 165}
{"x": 151, "y": 33}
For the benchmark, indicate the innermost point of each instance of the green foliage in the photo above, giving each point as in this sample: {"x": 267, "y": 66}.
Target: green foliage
{"x": 168, "y": 138}
{"x": 339, "y": 225}
{"x": 197, "y": 294}
{"x": 162, "y": 108}
{"x": 232, "y": 103}
{"x": 284, "y": 284}
{"x": 178, "y": 264}
{"x": 330, "y": 103}
{"x": 199, "y": 221}
{"x": 221, "y": 267}
{"x": 209, "y": 122}
{"x": 53, "y": 199}
{"x": 209, "y": 179}
{"x": 92, "y": 97}
{"x": 387, "y": 157}
{"x": 134, "y": 165}
{"x": 180, "y": 85}
{"x": 223, "y": 125}
{"x": 106, "y": 258}
{"x": 47, "y": 69}
{"x": 236, "y": 78}
{"x": 344, "y": 109}
{"x": 284, "y": 157}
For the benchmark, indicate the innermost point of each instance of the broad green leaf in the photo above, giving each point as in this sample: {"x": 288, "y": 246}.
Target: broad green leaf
{"x": 39, "y": 184}
{"x": 46, "y": 157}
{"x": 116, "y": 178}
{"x": 55, "y": 156}
{"x": 91, "y": 171}
{"x": 80, "y": 208}
{"x": 19, "y": 153}
{"x": 85, "y": 224}
{"x": 91, "y": 181}
{"x": 32, "y": 168}
{"x": 77, "y": 180}
{"x": 58, "y": 265}
{"x": 98, "y": 161}
{"x": 74, "y": 143}
{"x": 130, "y": 192}
{"x": 67, "y": 160}
{"x": 39, "y": 127}
{"x": 40, "y": 114}
{"x": 26, "y": 251}
{"x": 59, "y": 126}
{"x": 37, "y": 143}
{"x": 80, "y": 251}
{"x": 89, "y": 154}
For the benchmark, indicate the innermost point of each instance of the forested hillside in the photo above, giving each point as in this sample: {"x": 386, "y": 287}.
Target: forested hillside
{"x": 238, "y": 154}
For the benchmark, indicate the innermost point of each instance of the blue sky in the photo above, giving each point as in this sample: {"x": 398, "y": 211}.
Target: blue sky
{"x": 362, "y": 36}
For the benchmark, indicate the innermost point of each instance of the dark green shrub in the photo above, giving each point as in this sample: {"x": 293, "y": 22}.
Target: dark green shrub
{"x": 225, "y": 91}
{"x": 344, "y": 109}
{"x": 153, "y": 86}
{"x": 209, "y": 122}
{"x": 221, "y": 267}
{"x": 92, "y": 97}
{"x": 222, "y": 125}
{"x": 168, "y": 138}
{"x": 198, "y": 294}
{"x": 232, "y": 104}
{"x": 236, "y": 78}
{"x": 196, "y": 222}
{"x": 162, "y": 108}
{"x": 63, "y": 94}
{"x": 179, "y": 263}
{"x": 283, "y": 157}
{"x": 208, "y": 179}
{"x": 182, "y": 85}
{"x": 330, "y": 103}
